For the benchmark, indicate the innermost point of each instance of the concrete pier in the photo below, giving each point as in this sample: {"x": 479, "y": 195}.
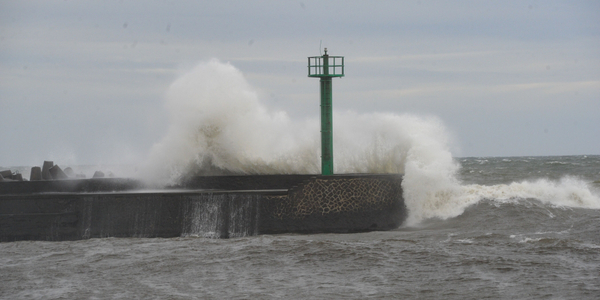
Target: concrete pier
{"x": 209, "y": 206}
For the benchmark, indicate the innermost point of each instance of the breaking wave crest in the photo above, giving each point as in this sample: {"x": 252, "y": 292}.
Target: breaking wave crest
{"x": 451, "y": 201}
{"x": 219, "y": 126}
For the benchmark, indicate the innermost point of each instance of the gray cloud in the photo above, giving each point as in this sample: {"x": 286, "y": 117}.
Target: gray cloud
{"x": 507, "y": 77}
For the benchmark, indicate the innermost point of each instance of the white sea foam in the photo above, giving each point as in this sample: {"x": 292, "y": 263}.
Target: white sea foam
{"x": 568, "y": 191}
{"x": 446, "y": 198}
{"x": 219, "y": 126}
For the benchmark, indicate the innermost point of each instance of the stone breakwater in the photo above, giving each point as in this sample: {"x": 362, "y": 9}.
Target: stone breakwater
{"x": 48, "y": 171}
{"x": 208, "y": 206}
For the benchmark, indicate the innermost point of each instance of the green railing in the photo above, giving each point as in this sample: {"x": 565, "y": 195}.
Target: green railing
{"x": 326, "y": 66}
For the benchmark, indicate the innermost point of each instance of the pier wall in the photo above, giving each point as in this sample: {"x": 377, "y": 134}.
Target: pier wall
{"x": 216, "y": 207}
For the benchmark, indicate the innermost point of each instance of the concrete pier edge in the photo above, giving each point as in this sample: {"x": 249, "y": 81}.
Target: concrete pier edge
{"x": 211, "y": 206}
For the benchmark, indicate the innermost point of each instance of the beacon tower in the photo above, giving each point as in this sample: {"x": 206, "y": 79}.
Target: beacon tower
{"x": 326, "y": 67}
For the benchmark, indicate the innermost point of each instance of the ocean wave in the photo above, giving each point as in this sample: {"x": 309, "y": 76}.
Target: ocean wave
{"x": 448, "y": 201}
{"x": 219, "y": 126}
{"x": 568, "y": 191}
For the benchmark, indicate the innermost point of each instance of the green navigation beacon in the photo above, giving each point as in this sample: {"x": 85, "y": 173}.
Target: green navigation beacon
{"x": 326, "y": 67}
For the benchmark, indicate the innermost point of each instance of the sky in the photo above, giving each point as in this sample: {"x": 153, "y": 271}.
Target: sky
{"x": 84, "y": 82}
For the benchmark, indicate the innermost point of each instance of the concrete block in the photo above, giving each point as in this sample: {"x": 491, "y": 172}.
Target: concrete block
{"x": 69, "y": 172}
{"x": 7, "y": 174}
{"x": 46, "y": 170}
{"x": 36, "y": 174}
{"x": 57, "y": 173}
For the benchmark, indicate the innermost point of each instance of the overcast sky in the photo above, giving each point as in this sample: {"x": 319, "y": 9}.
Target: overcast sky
{"x": 85, "y": 81}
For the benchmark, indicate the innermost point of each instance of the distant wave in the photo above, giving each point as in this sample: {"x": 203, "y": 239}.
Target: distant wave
{"x": 451, "y": 201}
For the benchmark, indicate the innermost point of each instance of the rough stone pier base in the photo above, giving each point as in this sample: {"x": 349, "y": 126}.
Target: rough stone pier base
{"x": 236, "y": 206}
{"x": 349, "y": 203}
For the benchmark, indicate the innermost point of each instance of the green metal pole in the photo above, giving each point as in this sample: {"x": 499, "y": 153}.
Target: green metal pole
{"x": 326, "y": 120}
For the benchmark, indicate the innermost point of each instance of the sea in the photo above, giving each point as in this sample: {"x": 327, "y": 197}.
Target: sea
{"x": 503, "y": 228}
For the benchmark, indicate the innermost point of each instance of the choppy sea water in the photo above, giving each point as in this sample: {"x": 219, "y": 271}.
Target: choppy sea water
{"x": 530, "y": 229}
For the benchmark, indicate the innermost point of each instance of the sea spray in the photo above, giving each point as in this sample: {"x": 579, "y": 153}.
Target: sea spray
{"x": 412, "y": 145}
{"x": 220, "y": 126}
